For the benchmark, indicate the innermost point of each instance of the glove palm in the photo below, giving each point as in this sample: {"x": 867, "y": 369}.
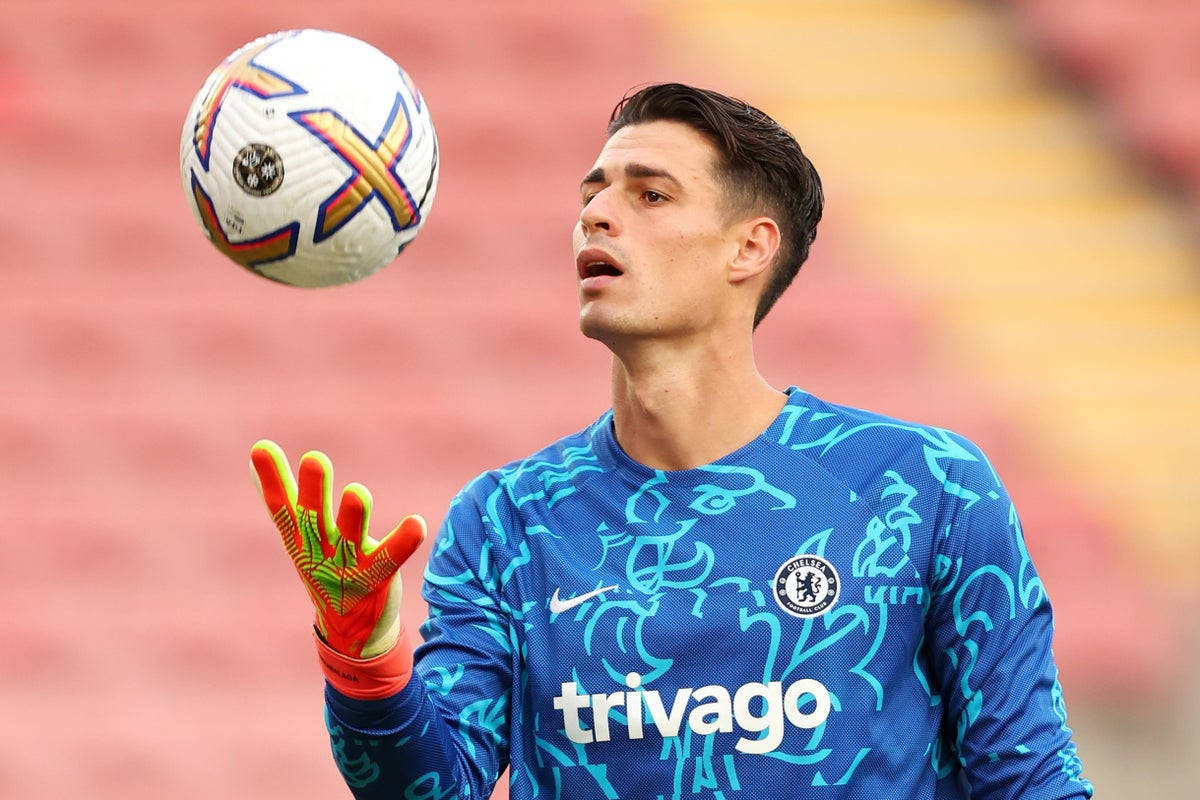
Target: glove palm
{"x": 351, "y": 578}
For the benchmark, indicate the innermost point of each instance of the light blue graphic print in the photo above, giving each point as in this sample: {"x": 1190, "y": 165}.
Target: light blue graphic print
{"x": 715, "y": 498}
{"x": 1072, "y": 767}
{"x": 553, "y": 480}
{"x": 357, "y": 770}
{"x": 429, "y": 787}
{"x": 830, "y": 430}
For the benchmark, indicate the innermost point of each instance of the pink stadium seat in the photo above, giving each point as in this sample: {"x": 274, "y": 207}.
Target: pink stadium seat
{"x": 1162, "y": 119}
{"x": 1142, "y": 59}
{"x": 1094, "y": 40}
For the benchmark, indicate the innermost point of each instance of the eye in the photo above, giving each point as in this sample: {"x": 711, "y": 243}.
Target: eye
{"x": 651, "y": 196}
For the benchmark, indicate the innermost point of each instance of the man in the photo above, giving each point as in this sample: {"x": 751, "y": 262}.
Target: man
{"x": 717, "y": 589}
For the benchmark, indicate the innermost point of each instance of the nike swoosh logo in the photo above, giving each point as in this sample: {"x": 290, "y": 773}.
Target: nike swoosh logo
{"x": 558, "y": 605}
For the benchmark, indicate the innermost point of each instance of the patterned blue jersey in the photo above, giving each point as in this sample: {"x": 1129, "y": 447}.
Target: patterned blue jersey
{"x": 843, "y": 608}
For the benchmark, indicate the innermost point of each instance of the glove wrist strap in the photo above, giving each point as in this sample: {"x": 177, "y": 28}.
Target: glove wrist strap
{"x": 371, "y": 678}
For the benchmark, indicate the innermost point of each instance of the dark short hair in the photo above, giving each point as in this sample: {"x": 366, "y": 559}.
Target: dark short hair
{"x": 760, "y": 163}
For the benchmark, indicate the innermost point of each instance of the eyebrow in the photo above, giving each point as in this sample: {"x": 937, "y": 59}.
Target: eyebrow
{"x": 633, "y": 169}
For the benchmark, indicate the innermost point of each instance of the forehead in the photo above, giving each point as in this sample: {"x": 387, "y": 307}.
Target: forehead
{"x": 673, "y": 146}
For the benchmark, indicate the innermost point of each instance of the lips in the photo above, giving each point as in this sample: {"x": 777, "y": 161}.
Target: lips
{"x": 594, "y": 263}
{"x": 596, "y": 269}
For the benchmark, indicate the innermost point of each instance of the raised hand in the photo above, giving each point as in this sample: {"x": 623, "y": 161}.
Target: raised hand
{"x": 350, "y": 577}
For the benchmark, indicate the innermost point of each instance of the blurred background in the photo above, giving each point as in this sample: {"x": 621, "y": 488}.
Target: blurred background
{"x": 1010, "y": 250}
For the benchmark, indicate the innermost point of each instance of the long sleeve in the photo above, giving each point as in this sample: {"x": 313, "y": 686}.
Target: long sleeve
{"x": 989, "y": 628}
{"x": 445, "y": 734}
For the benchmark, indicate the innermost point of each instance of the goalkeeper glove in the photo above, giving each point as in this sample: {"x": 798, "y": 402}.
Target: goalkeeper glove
{"x": 350, "y": 577}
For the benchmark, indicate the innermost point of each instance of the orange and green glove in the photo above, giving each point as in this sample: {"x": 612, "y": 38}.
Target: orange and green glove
{"x": 350, "y": 577}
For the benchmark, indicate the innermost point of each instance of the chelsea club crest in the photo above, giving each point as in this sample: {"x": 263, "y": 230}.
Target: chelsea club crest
{"x": 806, "y": 586}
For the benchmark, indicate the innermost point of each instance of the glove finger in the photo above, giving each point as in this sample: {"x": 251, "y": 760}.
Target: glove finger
{"x": 403, "y": 540}
{"x": 315, "y": 496}
{"x": 354, "y": 515}
{"x": 275, "y": 481}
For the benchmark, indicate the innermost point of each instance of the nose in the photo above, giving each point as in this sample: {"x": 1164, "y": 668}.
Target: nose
{"x": 599, "y": 214}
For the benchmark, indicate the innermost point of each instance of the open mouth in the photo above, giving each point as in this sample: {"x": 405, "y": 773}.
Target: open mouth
{"x": 595, "y": 263}
{"x": 595, "y": 268}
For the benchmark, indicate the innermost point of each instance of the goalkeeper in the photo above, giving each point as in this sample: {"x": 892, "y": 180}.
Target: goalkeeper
{"x": 716, "y": 590}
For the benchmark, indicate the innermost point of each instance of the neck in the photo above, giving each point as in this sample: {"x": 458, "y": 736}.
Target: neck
{"x": 680, "y": 407}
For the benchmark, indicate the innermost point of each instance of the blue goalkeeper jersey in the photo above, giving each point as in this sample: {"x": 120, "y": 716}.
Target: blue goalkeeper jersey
{"x": 843, "y": 608}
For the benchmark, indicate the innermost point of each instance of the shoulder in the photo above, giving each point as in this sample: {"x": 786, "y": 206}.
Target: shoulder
{"x": 557, "y": 462}
{"x": 863, "y": 448}
{"x": 820, "y": 428}
{"x": 543, "y": 477}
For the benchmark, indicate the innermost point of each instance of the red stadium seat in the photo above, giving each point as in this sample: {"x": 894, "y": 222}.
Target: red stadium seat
{"x": 1142, "y": 60}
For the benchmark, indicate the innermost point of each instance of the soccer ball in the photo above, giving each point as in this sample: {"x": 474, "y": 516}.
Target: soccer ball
{"x": 309, "y": 157}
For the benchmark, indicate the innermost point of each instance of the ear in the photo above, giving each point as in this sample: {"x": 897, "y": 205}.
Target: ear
{"x": 758, "y": 242}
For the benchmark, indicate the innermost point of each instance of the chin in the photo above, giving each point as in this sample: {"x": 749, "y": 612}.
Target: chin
{"x": 614, "y": 333}
{"x": 592, "y": 329}
{"x": 599, "y": 326}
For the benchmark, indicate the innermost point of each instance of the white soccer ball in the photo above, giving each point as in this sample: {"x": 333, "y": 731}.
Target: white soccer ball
{"x": 309, "y": 157}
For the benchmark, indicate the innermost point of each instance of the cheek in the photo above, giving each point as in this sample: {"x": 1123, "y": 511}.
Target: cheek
{"x": 696, "y": 261}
